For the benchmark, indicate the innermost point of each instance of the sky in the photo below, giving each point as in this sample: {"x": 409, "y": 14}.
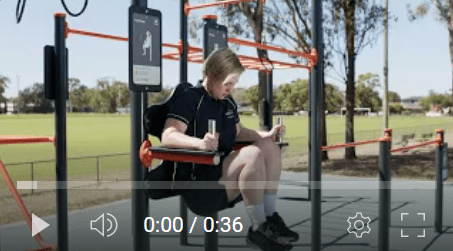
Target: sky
{"x": 419, "y": 59}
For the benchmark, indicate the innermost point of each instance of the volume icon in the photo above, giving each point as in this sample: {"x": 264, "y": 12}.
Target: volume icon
{"x": 99, "y": 225}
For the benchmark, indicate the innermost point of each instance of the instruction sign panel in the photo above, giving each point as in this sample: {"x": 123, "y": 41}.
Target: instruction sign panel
{"x": 215, "y": 37}
{"x": 145, "y": 49}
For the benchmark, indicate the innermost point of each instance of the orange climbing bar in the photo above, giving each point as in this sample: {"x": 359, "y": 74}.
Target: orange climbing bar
{"x": 188, "y": 7}
{"x": 8, "y": 139}
{"x": 351, "y": 144}
{"x": 22, "y": 207}
{"x": 439, "y": 139}
{"x": 267, "y": 64}
{"x": 94, "y": 34}
{"x": 272, "y": 48}
{"x": 404, "y": 148}
{"x": 195, "y": 55}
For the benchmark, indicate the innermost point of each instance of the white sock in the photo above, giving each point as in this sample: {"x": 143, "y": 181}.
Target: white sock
{"x": 257, "y": 216}
{"x": 269, "y": 203}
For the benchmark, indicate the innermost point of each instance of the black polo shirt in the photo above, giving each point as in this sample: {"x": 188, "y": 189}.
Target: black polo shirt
{"x": 196, "y": 107}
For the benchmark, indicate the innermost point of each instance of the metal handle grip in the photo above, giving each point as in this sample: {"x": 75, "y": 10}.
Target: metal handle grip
{"x": 212, "y": 126}
{"x": 280, "y": 122}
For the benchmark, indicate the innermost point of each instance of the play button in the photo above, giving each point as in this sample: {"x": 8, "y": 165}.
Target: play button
{"x": 37, "y": 225}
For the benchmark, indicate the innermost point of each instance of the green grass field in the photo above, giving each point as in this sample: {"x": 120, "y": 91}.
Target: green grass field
{"x": 98, "y": 134}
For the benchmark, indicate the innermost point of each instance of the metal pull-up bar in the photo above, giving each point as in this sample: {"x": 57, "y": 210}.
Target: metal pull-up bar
{"x": 194, "y": 56}
{"x": 188, "y": 7}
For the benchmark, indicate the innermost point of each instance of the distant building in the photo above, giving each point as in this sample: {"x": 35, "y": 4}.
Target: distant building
{"x": 411, "y": 103}
{"x": 123, "y": 110}
{"x": 10, "y": 107}
{"x": 357, "y": 111}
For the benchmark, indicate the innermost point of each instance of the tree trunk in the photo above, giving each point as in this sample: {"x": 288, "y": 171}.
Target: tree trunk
{"x": 350, "y": 86}
{"x": 262, "y": 76}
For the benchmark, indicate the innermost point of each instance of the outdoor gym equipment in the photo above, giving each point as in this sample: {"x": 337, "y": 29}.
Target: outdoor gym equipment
{"x": 138, "y": 103}
{"x": 7, "y": 140}
{"x": 441, "y": 171}
{"x": 385, "y": 178}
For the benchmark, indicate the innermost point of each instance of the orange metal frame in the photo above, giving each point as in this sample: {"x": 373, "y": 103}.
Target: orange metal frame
{"x": 9, "y": 183}
{"x": 195, "y": 54}
{"x": 188, "y": 7}
{"x": 8, "y": 140}
{"x": 147, "y": 156}
{"x": 437, "y": 141}
{"x": 387, "y": 137}
{"x": 357, "y": 143}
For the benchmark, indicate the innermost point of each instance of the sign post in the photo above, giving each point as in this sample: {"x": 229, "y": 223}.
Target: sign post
{"x": 145, "y": 49}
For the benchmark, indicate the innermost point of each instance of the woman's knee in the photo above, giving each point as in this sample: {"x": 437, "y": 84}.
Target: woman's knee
{"x": 253, "y": 154}
{"x": 268, "y": 146}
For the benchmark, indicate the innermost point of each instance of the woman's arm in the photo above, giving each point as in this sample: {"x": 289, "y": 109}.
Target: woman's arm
{"x": 173, "y": 136}
{"x": 245, "y": 134}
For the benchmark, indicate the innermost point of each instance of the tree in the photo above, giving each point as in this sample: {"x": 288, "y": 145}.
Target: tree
{"x": 395, "y": 108}
{"x": 251, "y": 95}
{"x": 294, "y": 96}
{"x": 441, "y": 100}
{"x": 3, "y": 85}
{"x": 79, "y": 98}
{"x": 334, "y": 99}
{"x": 444, "y": 12}
{"x": 32, "y": 100}
{"x": 393, "y": 97}
{"x": 350, "y": 26}
{"x": 157, "y": 97}
{"x": 290, "y": 20}
{"x": 366, "y": 95}
{"x": 122, "y": 93}
{"x": 73, "y": 84}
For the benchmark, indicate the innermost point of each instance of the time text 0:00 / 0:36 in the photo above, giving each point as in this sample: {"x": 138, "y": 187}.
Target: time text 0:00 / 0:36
{"x": 167, "y": 224}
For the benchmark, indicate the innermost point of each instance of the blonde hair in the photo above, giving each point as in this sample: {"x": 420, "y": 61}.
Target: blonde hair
{"x": 220, "y": 63}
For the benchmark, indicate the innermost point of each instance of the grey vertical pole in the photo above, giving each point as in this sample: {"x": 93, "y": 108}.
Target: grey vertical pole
{"x": 139, "y": 200}
{"x": 183, "y": 237}
{"x": 384, "y": 193}
{"x": 439, "y": 182}
{"x": 32, "y": 176}
{"x": 211, "y": 239}
{"x": 60, "y": 131}
{"x": 269, "y": 108}
{"x": 385, "y": 105}
{"x": 97, "y": 168}
{"x": 315, "y": 125}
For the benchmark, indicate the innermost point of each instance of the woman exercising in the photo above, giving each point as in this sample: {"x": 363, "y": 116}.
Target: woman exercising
{"x": 251, "y": 174}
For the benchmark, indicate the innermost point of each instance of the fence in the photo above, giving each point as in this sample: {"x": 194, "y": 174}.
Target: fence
{"x": 107, "y": 166}
{"x": 76, "y": 171}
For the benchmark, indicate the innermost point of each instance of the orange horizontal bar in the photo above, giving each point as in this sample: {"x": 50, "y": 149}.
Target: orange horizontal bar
{"x": 180, "y": 157}
{"x": 96, "y": 34}
{"x": 404, "y": 148}
{"x": 189, "y": 7}
{"x": 268, "y": 47}
{"x": 268, "y": 63}
{"x": 358, "y": 143}
{"x": 10, "y": 140}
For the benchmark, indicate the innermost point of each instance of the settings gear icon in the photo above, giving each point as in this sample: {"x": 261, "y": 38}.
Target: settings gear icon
{"x": 357, "y": 225}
